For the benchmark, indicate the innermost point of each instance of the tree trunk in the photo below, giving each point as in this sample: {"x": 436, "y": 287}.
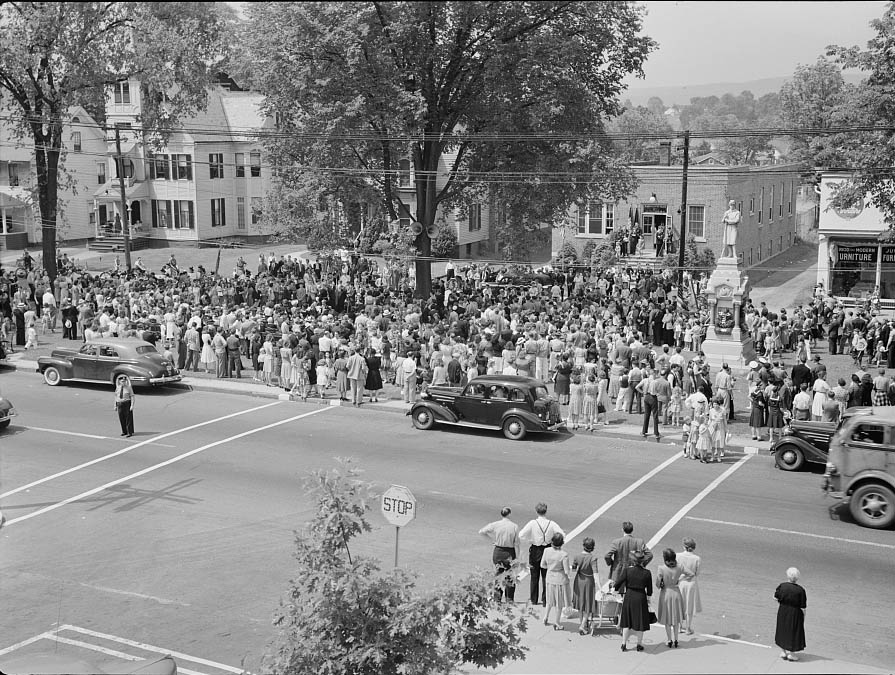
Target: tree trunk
{"x": 46, "y": 154}
{"x": 426, "y": 210}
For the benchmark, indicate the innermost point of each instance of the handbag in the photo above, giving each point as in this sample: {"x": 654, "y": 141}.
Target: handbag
{"x": 651, "y": 617}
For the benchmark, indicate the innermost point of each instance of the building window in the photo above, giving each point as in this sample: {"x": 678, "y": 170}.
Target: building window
{"x": 216, "y": 165}
{"x": 760, "y": 209}
{"x": 182, "y": 166}
{"x": 770, "y": 248}
{"x": 255, "y": 164}
{"x": 792, "y": 194}
{"x": 696, "y": 221}
{"x": 240, "y": 213}
{"x": 751, "y": 204}
{"x": 750, "y": 257}
{"x": 404, "y": 224}
{"x": 162, "y": 213}
{"x": 404, "y": 173}
{"x": 158, "y": 167}
{"x": 256, "y": 210}
{"x": 184, "y": 218}
{"x": 91, "y": 215}
{"x": 596, "y": 218}
{"x": 218, "y": 217}
{"x": 128, "y": 167}
{"x": 13, "y": 174}
{"x": 100, "y": 173}
{"x": 475, "y": 217}
{"x": 76, "y": 141}
{"x": 771, "y": 207}
{"x": 122, "y": 92}
{"x": 240, "y": 161}
{"x": 782, "y": 199}
{"x": 760, "y": 253}
{"x": 781, "y": 242}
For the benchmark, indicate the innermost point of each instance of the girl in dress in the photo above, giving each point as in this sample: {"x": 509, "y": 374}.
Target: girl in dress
{"x": 341, "y": 367}
{"x": 703, "y": 439}
{"x": 207, "y": 357}
{"x": 323, "y": 366}
{"x": 603, "y": 399}
{"x": 300, "y": 363}
{"x": 591, "y": 390}
{"x": 674, "y": 405}
{"x": 718, "y": 419}
{"x": 266, "y": 361}
{"x": 615, "y": 375}
{"x": 575, "y": 398}
{"x": 285, "y": 365}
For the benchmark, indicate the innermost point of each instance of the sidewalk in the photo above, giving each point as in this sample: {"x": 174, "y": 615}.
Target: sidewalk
{"x": 567, "y": 652}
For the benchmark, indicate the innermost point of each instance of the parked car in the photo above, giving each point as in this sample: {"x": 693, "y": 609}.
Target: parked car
{"x": 804, "y": 441}
{"x": 7, "y": 412}
{"x": 51, "y": 664}
{"x": 105, "y": 359}
{"x": 861, "y": 467}
{"x": 515, "y": 404}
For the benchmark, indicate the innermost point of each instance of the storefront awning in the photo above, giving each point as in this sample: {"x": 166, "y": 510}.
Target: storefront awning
{"x": 111, "y": 191}
{"x": 15, "y": 197}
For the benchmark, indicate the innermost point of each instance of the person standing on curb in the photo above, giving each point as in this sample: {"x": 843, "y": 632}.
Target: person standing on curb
{"x": 790, "y": 633}
{"x": 504, "y": 534}
{"x": 649, "y": 388}
{"x": 539, "y": 533}
{"x": 124, "y": 404}
{"x": 689, "y": 584}
{"x": 620, "y": 551}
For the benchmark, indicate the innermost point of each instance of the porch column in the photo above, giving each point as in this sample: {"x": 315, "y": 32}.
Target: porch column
{"x": 95, "y": 219}
{"x": 879, "y": 264}
{"x": 3, "y": 217}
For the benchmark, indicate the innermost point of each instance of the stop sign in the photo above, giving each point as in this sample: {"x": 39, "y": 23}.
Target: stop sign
{"x": 398, "y": 505}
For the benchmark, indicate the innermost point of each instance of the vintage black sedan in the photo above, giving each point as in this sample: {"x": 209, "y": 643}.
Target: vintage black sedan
{"x": 515, "y": 404}
{"x": 105, "y": 359}
{"x": 7, "y": 412}
{"x": 805, "y": 441}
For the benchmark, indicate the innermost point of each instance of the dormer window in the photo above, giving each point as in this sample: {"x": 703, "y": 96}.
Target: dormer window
{"x": 122, "y": 92}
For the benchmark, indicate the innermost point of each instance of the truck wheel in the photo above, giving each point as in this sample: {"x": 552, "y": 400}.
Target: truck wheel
{"x": 789, "y": 457}
{"x": 52, "y": 376}
{"x": 514, "y": 428}
{"x": 423, "y": 418}
{"x": 873, "y": 505}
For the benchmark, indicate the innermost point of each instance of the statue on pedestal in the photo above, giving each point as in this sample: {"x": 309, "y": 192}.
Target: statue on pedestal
{"x": 731, "y": 222}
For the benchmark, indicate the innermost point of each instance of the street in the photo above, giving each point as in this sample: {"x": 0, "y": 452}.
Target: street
{"x": 181, "y": 536}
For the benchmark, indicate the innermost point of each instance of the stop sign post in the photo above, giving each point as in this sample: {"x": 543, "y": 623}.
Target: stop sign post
{"x": 399, "y": 508}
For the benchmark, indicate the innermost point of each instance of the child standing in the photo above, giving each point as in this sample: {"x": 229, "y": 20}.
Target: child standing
{"x": 576, "y": 395}
{"x": 323, "y": 366}
{"x": 688, "y": 438}
{"x": 591, "y": 390}
{"x": 704, "y": 440}
{"x": 717, "y": 420}
{"x": 674, "y": 405}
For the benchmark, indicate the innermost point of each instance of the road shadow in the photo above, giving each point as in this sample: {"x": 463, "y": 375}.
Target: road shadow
{"x": 127, "y": 497}
{"x": 541, "y": 437}
{"x": 153, "y": 392}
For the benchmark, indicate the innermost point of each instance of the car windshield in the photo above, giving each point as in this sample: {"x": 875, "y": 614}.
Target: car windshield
{"x": 540, "y": 393}
{"x": 146, "y": 349}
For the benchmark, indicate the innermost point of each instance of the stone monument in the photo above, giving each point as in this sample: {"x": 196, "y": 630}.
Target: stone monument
{"x": 726, "y": 339}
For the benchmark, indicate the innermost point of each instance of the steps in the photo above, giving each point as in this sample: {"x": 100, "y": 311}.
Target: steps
{"x": 115, "y": 243}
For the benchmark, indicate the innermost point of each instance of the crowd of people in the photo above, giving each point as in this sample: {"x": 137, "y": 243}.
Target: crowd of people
{"x": 616, "y": 341}
{"x": 561, "y": 583}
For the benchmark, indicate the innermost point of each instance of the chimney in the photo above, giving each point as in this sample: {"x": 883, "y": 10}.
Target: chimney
{"x": 665, "y": 153}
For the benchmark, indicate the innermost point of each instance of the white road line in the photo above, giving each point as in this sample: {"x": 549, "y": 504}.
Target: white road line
{"x": 25, "y": 643}
{"x": 133, "y": 447}
{"x": 693, "y": 502}
{"x": 115, "y": 653}
{"x": 801, "y": 534}
{"x": 160, "y": 465}
{"x": 132, "y": 594}
{"x": 67, "y": 433}
{"x": 621, "y": 495}
{"x": 151, "y": 648}
{"x": 739, "y": 642}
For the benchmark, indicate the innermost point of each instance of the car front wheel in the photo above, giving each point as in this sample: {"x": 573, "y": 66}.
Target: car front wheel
{"x": 873, "y": 505}
{"x": 514, "y": 428}
{"x": 52, "y": 376}
{"x": 4, "y": 424}
{"x": 423, "y": 419}
{"x": 789, "y": 457}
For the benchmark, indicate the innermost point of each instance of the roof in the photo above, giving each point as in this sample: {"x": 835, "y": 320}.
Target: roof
{"x": 511, "y": 379}
{"x": 233, "y": 112}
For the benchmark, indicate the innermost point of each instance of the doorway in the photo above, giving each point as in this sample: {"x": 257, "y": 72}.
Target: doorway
{"x": 655, "y": 218}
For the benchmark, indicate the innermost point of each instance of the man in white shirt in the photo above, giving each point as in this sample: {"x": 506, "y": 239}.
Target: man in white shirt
{"x": 539, "y": 532}
{"x": 801, "y": 403}
{"x": 504, "y": 534}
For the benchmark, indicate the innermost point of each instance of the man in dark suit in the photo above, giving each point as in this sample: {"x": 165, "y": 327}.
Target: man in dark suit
{"x": 619, "y": 552}
{"x": 801, "y": 373}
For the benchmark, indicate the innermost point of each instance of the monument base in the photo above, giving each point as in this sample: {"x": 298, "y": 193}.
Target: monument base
{"x": 725, "y": 340}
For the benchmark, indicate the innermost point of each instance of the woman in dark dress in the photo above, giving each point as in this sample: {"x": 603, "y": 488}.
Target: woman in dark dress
{"x": 374, "y": 374}
{"x": 790, "y": 635}
{"x": 562, "y": 379}
{"x": 637, "y": 584}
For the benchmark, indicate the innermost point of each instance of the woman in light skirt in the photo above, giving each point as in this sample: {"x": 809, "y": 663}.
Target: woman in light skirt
{"x": 689, "y": 583}
{"x": 559, "y": 570}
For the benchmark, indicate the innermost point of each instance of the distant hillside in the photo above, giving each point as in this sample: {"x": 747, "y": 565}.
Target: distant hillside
{"x": 682, "y": 95}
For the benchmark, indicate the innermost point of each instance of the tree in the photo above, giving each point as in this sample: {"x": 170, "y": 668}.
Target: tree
{"x": 641, "y": 127}
{"x": 697, "y": 260}
{"x": 815, "y": 98}
{"x": 358, "y": 87}
{"x": 343, "y": 614}
{"x": 54, "y": 55}
{"x": 870, "y": 103}
{"x": 655, "y": 106}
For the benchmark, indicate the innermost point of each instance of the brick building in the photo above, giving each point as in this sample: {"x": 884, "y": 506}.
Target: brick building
{"x": 766, "y": 197}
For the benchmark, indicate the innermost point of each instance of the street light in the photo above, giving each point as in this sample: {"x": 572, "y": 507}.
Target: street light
{"x": 653, "y": 199}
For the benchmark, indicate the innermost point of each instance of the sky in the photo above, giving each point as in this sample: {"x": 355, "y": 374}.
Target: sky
{"x": 708, "y": 42}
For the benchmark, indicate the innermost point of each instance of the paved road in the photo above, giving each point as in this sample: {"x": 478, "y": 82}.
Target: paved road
{"x": 193, "y": 553}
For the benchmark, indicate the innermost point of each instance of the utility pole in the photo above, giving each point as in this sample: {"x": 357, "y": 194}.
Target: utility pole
{"x": 683, "y": 240}
{"x": 125, "y": 220}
